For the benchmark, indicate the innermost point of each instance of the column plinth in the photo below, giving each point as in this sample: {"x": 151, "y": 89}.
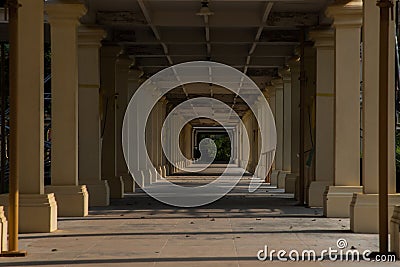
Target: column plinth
{"x": 37, "y": 212}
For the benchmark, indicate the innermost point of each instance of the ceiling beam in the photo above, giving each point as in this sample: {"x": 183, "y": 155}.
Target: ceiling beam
{"x": 146, "y": 14}
{"x": 267, "y": 11}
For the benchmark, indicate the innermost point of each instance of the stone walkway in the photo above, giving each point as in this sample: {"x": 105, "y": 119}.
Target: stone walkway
{"x": 139, "y": 231}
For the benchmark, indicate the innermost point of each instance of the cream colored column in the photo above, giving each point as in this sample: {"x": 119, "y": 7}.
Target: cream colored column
{"x": 109, "y": 148}
{"x": 121, "y": 88}
{"x": 279, "y": 98}
{"x": 133, "y": 85}
{"x": 149, "y": 145}
{"x": 33, "y": 200}
{"x": 72, "y": 198}
{"x": 364, "y": 207}
{"x": 158, "y": 136}
{"x": 295, "y": 119}
{"x": 324, "y": 44}
{"x": 288, "y": 180}
{"x": 271, "y": 91}
{"x": 89, "y": 39}
{"x": 347, "y": 24}
{"x": 164, "y": 165}
{"x": 291, "y": 178}
{"x": 279, "y": 123}
{"x": 154, "y": 145}
{"x": 287, "y": 120}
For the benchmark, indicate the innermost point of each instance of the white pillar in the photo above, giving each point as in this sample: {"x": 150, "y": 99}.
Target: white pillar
{"x": 133, "y": 85}
{"x": 89, "y": 39}
{"x": 280, "y": 124}
{"x": 164, "y": 166}
{"x": 279, "y": 98}
{"x": 347, "y": 24}
{"x": 287, "y": 120}
{"x": 72, "y": 198}
{"x": 33, "y": 200}
{"x": 109, "y": 146}
{"x": 324, "y": 44}
{"x": 295, "y": 118}
{"x": 121, "y": 88}
{"x": 271, "y": 92}
{"x": 364, "y": 207}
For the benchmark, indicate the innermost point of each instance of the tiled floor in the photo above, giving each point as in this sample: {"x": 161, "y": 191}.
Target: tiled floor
{"x": 139, "y": 231}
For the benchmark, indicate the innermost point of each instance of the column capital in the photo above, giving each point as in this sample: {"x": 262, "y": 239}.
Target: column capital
{"x": 135, "y": 73}
{"x": 268, "y": 94}
{"x": 124, "y": 61}
{"x": 323, "y": 38}
{"x": 294, "y": 64}
{"x": 110, "y": 51}
{"x": 346, "y": 15}
{"x": 90, "y": 36}
{"x": 285, "y": 74}
{"x": 64, "y": 12}
{"x": 277, "y": 83}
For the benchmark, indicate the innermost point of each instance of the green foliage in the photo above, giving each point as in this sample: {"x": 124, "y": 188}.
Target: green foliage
{"x": 223, "y": 144}
{"x": 223, "y": 148}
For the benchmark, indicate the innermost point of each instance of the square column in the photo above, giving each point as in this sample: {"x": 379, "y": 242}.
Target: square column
{"x": 89, "y": 115}
{"x": 279, "y": 123}
{"x": 278, "y": 85}
{"x": 121, "y": 87}
{"x": 37, "y": 210}
{"x": 72, "y": 198}
{"x": 164, "y": 162}
{"x": 287, "y": 120}
{"x": 270, "y": 92}
{"x": 364, "y": 207}
{"x": 134, "y": 75}
{"x": 295, "y": 118}
{"x": 347, "y": 24}
{"x": 324, "y": 44}
{"x": 108, "y": 57}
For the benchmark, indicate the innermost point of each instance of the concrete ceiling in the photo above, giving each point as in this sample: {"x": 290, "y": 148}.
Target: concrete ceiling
{"x": 256, "y": 37}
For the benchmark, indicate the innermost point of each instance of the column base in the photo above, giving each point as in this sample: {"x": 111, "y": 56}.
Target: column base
{"x": 282, "y": 179}
{"x": 3, "y": 230}
{"x": 37, "y": 212}
{"x": 146, "y": 178}
{"x": 116, "y": 185}
{"x": 394, "y": 230}
{"x": 164, "y": 171}
{"x": 72, "y": 200}
{"x": 364, "y": 212}
{"x": 129, "y": 183}
{"x": 274, "y": 177}
{"x": 337, "y": 200}
{"x": 290, "y": 183}
{"x": 99, "y": 193}
{"x": 316, "y": 193}
{"x": 153, "y": 173}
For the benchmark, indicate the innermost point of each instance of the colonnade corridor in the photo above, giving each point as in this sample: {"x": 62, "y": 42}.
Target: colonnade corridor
{"x": 199, "y": 132}
{"x": 140, "y": 231}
